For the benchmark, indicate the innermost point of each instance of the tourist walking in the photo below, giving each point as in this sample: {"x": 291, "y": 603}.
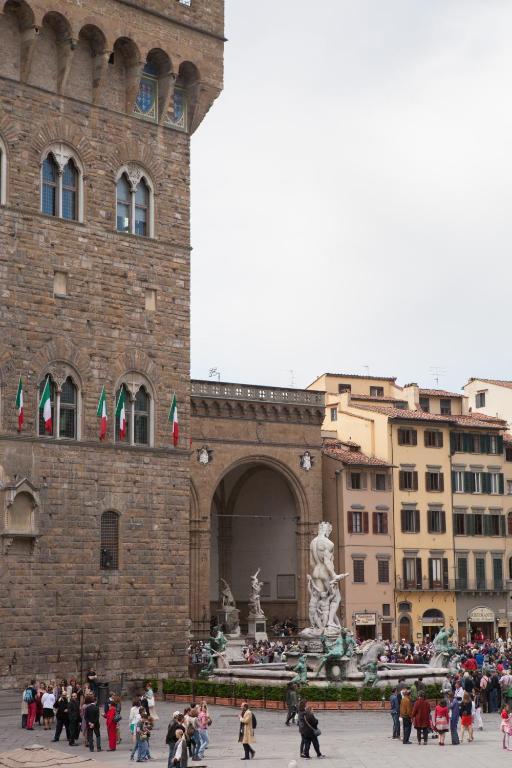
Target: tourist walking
{"x": 246, "y": 734}
{"x": 92, "y": 719}
{"x": 421, "y": 717}
{"x": 61, "y": 717}
{"x": 133, "y": 719}
{"x": 48, "y": 702}
{"x": 394, "y": 700}
{"x": 441, "y": 721}
{"x": 406, "y": 715}
{"x": 180, "y": 753}
{"x": 74, "y": 720}
{"x": 292, "y": 701}
{"x": 175, "y": 725}
{"x": 150, "y": 697}
{"x": 454, "y": 709}
{"x": 506, "y": 725}
{"x": 203, "y": 722}
{"x": 466, "y": 718}
{"x": 29, "y": 697}
{"x": 110, "y": 717}
{"x": 310, "y": 732}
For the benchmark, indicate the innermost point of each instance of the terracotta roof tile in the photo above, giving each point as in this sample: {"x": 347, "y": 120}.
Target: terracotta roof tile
{"x": 359, "y": 376}
{"x": 498, "y": 382}
{"x": 439, "y": 393}
{"x": 353, "y": 457}
{"x": 469, "y": 420}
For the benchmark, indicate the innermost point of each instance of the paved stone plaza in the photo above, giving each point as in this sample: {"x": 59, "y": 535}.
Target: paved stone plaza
{"x": 349, "y": 740}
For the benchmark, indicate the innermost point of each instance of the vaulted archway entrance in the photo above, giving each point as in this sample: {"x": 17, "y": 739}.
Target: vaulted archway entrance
{"x": 254, "y": 524}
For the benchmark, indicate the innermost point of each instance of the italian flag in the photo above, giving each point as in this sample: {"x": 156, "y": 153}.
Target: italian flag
{"x": 121, "y": 413}
{"x": 19, "y": 405}
{"x": 101, "y": 413}
{"x": 173, "y": 419}
{"x": 45, "y": 406}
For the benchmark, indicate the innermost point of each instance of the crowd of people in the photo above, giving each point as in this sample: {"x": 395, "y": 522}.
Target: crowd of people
{"x": 70, "y": 707}
{"x": 262, "y": 652}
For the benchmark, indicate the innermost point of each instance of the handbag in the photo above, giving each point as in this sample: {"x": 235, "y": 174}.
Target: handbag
{"x": 316, "y": 731}
{"x": 117, "y": 718}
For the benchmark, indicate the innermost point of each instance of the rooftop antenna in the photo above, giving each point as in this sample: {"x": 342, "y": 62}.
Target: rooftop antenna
{"x": 214, "y": 372}
{"x": 292, "y": 377}
{"x": 437, "y": 371}
{"x": 367, "y": 369}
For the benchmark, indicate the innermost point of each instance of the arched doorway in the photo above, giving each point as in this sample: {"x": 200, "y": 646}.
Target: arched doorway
{"x": 432, "y": 621}
{"x": 254, "y": 524}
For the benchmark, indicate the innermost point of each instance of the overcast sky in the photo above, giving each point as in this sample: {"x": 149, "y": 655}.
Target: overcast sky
{"x": 352, "y": 193}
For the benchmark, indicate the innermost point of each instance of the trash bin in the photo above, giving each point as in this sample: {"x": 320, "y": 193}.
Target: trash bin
{"x": 103, "y": 693}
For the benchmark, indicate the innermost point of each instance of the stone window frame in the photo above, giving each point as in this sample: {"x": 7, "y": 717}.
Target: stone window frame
{"x": 135, "y": 174}
{"x": 3, "y": 172}
{"x": 62, "y": 153}
{"x": 110, "y": 538}
{"x": 133, "y": 381}
{"x": 59, "y": 373}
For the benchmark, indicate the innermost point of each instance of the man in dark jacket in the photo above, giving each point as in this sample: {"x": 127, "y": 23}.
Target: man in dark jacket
{"x": 292, "y": 701}
{"x": 394, "y": 700}
{"x": 171, "y": 739}
{"x": 308, "y": 727}
{"x": 92, "y": 719}
{"x": 61, "y": 717}
{"x": 74, "y": 720}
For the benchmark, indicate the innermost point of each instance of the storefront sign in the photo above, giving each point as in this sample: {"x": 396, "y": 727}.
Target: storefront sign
{"x": 481, "y": 614}
{"x": 365, "y": 619}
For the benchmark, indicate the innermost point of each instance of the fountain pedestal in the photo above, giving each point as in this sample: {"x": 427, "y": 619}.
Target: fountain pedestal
{"x": 257, "y": 626}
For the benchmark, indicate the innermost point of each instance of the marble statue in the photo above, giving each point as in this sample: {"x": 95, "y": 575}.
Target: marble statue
{"x": 301, "y": 678}
{"x": 254, "y": 599}
{"x": 226, "y": 596}
{"x": 323, "y": 586}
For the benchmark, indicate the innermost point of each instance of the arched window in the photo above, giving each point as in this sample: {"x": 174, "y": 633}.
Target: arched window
{"x": 134, "y": 203}
{"x": 138, "y": 410}
{"x": 50, "y": 176}
{"x": 3, "y": 173}
{"x": 61, "y": 184}
{"x": 141, "y": 417}
{"x": 109, "y": 543}
{"x": 64, "y": 403}
{"x": 67, "y": 411}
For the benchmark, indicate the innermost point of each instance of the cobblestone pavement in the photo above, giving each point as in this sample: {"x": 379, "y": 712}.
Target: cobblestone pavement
{"x": 349, "y": 740}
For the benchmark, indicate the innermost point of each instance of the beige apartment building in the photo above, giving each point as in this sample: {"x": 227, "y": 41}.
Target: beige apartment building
{"x": 450, "y": 542}
{"x": 357, "y": 501}
{"x": 492, "y": 397}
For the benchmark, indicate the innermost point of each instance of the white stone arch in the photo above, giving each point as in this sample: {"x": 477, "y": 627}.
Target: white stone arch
{"x": 62, "y": 153}
{"x": 3, "y": 171}
{"x": 134, "y": 381}
{"x": 135, "y": 174}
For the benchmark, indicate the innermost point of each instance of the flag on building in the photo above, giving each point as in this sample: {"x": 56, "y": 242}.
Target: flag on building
{"x": 19, "y": 405}
{"x": 121, "y": 413}
{"x": 173, "y": 419}
{"x": 101, "y": 413}
{"x": 45, "y": 407}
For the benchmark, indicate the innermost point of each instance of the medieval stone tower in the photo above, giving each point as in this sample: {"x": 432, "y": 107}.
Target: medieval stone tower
{"x": 98, "y": 99}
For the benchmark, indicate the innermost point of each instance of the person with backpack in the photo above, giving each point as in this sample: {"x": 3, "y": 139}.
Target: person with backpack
{"x": 29, "y": 697}
{"x": 246, "y": 734}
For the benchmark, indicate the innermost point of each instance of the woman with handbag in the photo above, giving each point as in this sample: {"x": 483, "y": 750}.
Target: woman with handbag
{"x": 311, "y": 733}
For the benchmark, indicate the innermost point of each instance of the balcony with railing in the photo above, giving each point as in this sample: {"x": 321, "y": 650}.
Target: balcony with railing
{"x": 454, "y": 585}
{"x": 255, "y": 393}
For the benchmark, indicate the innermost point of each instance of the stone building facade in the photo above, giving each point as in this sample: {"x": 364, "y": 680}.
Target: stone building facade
{"x": 98, "y": 102}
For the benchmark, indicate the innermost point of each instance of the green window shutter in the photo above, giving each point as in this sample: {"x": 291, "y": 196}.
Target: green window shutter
{"x": 466, "y": 442}
{"x": 501, "y": 481}
{"x": 441, "y": 481}
{"x": 443, "y": 521}
{"x": 403, "y": 516}
{"x": 453, "y": 481}
{"x": 499, "y": 441}
{"x": 427, "y": 481}
{"x": 430, "y": 573}
{"x": 486, "y": 482}
{"x": 429, "y": 520}
{"x": 414, "y": 481}
{"x": 487, "y": 525}
{"x": 419, "y": 581}
{"x": 470, "y": 525}
{"x": 453, "y": 442}
{"x": 414, "y": 435}
{"x": 469, "y": 482}
{"x": 439, "y": 439}
{"x": 416, "y": 521}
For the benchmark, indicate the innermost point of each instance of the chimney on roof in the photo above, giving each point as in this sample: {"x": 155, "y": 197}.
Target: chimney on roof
{"x": 412, "y": 393}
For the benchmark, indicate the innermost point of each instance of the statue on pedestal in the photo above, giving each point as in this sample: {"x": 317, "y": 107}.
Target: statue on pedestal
{"x": 323, "y": 585}
{"x": 254, "y": 599}
{"x": 228, "y": 615}
{"x": 301, "y": 678}
{"x": 444, "y": 648}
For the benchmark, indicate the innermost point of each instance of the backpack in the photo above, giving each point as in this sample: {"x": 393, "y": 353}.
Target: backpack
{"x": 254, "y": 721}
{"x": 28, "y": 695}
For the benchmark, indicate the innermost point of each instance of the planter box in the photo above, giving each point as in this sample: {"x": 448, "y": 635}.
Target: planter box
{"x": 331, "y": 705}
{"x": 350, "y": 705}
{"x": 274, "y": 705}
{"x": 368, "y": 705}
{"x": 256, "y": 703}
{"x": 318, "y": 705}
{"x": 223, "y": 702}
{"x": 184, "y": 698}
